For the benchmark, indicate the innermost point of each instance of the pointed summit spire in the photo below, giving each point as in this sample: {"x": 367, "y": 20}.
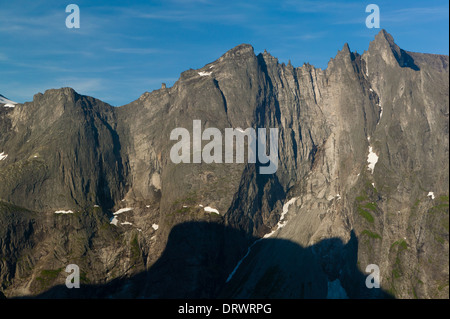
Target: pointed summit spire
{"x": 384, "y": 38}
{"x": 241, "y": 49}
{"x": 345, "y": 52}
{"x": 384, "y": 43}
{"x": 346, "y": 48}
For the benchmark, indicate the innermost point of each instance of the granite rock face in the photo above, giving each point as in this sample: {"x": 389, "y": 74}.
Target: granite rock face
{"x": 362, "y": 179}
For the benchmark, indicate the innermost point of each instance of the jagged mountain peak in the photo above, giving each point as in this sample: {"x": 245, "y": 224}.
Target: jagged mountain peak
{"x": 268, "y": 58}
{"x": 66, "y": 151}
{"x": 66, "y": 92}
{"x": 383, "y": 42}
{"x": 345, "y": 52}
{"x": 343, "y": 58}
{"x": 346, "y": 48}
{"x": 66, "y": 99}
{"x": 241, "y": 51}
{"x": 384, "y": 47}
{"x": 383, "y": 35}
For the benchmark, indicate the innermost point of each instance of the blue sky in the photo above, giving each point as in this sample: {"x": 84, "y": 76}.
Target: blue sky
{"x": 125, "y": 48}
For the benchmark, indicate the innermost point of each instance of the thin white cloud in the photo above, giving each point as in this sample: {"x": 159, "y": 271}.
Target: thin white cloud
{"x": 82, "y": 85}
{"x": 41, "y": 66}
{"x": 52, "y": 22}
{"x": 191, "y": 2}
{"x": 78, "y": 52}
{"x": 58, "y": 68}
{"x": 400, "y": 16}
{"x": 135, "y": 50}
{"x": 22, "y": 93}
{"x": 416, "y": 15}
{"x": 306, "y": 36}
{"x": 210, "y": 14}
{"x": 20, "y": 22}
{"x": 312, "y": 6}
{"x": 359, "y": 20}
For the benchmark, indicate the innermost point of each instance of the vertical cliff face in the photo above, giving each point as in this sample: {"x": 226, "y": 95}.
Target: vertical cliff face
{"x": 369, "y": 183}
{"x": 362, "y": 179}
{"x": 63, "y": 153}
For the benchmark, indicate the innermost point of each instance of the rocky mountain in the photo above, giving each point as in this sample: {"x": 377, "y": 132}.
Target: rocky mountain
{"x": 362, "y": 179}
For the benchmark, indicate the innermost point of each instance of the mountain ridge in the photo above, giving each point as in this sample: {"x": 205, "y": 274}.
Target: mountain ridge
{"x": 68, "y": 151}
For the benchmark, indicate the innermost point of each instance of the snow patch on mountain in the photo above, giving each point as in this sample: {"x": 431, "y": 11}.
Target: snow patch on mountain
{"x": 280, "y": 224}
{"x": 372, "y": 159}
{"x": 211, "y": 210}
{"x": 123, "y": 210}
{"x": 204, "y": 73}
{"x": 6, "y": 102}
{"x": 64, "y": 212}
{"x": 114, "y": 221}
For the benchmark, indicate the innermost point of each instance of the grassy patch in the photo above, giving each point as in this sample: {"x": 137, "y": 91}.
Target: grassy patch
{"x": 396, "y": 273}
{"x": 47, "y": 277}
{"x": 371, "y": 206}
{"x": 401, "y": 244}
{"x": 439, "y": 239}
{"x": 135, "y": 250}
{"x": 190, "y": 198}
{"x": 441, "y": 205}
{"x": 397, "y": 266}
{"x": 182, "y": 210}
{"x": 442, "y": 286}
{"x": 370, "y": 234}
{"x": 365, "y": 204}
{"x": 83, "y": 278}
{"x": 361, "y": 198}
{"x": 444, "y": 224}
{"x": 439, "y": 208}
{"x": 365, "y": 214}
{"x": 414, "y": 293}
